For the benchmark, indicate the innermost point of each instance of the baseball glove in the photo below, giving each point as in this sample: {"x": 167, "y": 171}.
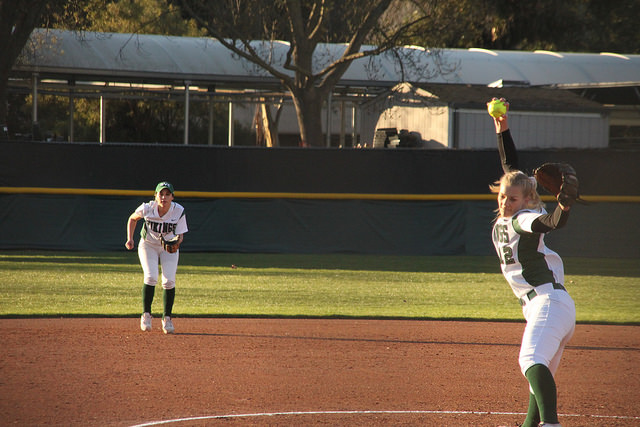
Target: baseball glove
{"x": 559, "y": 179}
{"x": 171, "y": 245}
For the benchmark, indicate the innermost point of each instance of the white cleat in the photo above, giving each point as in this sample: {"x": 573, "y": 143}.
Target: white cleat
{"x": 167, "y": 325}
{"x": 145, "y": 322}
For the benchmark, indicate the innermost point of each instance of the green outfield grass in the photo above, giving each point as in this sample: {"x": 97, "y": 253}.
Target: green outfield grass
{"x": 275, "y": 285}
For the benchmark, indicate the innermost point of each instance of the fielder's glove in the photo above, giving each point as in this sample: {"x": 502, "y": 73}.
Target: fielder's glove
{"x": 171, "y": 245}
{"x": 559, "y": 179}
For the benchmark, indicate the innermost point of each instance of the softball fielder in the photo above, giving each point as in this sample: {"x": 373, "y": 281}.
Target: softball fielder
{"x": 536, "y": 276}
{"x": 163, "y": 218}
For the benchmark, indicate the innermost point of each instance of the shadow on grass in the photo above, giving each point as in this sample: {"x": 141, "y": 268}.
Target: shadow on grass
{"x": 614, "y": 267}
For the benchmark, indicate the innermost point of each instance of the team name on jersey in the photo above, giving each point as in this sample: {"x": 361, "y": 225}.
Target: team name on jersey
{"x": 161, "y": 227}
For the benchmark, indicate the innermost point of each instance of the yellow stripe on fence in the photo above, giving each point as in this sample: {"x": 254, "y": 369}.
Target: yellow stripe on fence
{"x": 285, "y": 195}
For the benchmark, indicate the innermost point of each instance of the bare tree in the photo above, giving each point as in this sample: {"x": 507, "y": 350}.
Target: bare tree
{"x": 251, "y": 30}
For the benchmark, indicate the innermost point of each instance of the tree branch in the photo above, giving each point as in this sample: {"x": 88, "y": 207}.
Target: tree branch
{"x": 334, "y": 71}
{"x": 318, "y": 14}
{"x": 248, "y": 52}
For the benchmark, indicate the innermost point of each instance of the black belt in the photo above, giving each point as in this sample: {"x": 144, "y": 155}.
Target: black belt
{"x": 532, "y": 293}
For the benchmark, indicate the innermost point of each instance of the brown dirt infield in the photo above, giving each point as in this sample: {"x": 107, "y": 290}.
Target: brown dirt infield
{"x": 106, "y": 372}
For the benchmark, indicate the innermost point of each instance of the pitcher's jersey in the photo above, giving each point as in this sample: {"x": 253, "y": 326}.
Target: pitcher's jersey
{"x": 174, "y": 222}
{"x": 525, "y": 260}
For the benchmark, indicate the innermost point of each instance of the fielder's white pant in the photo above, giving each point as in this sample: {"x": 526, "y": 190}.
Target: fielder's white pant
{"x": 151, "y": 255}
{"x": 551, "y": 321}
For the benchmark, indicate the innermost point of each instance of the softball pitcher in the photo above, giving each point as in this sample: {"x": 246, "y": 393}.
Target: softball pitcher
{"x": 536, "y": 276}
{"x": 163, "y": 219}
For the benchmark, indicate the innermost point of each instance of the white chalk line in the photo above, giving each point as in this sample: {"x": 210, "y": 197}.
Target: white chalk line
{"x": 425, "y": 412}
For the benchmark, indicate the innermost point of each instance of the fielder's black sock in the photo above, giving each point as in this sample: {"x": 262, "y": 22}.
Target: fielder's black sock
{"x": 544, "y": 387}
{"x": 147, "y": 297}
{"x": 533, "y": 413}
{"x": 168, "y": 296}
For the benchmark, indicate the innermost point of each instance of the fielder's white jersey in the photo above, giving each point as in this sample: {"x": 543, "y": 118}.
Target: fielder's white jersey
{"x": 525, "y": 260}
{"x": 174, "y": 222}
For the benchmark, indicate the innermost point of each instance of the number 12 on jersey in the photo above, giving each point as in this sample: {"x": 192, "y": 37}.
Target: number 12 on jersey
{"x": 502, "y": 236}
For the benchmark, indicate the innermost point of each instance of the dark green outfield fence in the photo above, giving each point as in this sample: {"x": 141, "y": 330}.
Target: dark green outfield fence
{"x": 386, "y": 201}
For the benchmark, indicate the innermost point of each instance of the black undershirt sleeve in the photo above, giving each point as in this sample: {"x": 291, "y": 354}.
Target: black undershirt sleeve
{"x": 553, "y": 221}
{"x": 509, "y": 161}
{"x": 507, "y": 150}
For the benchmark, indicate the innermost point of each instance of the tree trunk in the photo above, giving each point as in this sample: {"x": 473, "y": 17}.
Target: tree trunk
{"x": 266, "y": 125}
{"x": 270, "y": 126}
{"x": 308, "y": 105}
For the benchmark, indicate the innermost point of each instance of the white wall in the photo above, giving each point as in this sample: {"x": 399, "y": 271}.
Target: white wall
{"x": 474, "y": 128}
{"x": 432, "y": 123}
{"x": 533, "y": 130}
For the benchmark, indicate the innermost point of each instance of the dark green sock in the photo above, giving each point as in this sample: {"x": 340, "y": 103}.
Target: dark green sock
{"x": 533, "y": 413}
{"x": 168, "y": 296}
{"x": 147, "y": 297}
{"x": 544, "y": 387}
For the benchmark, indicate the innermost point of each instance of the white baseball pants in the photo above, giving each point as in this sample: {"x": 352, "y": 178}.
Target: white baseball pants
{"x": 551, "y": 321}
{"x": 151, "y": 256}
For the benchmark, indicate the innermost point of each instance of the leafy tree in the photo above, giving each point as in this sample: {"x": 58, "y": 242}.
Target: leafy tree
{"x": 140, "y": 16}
{"x": 570, "y": 25}
{"x": 132, "y": 119}
{"x": 127, "y": 119}
{"x": 17, "y": 20}
{"x": 304, "y": 24}
{"x": 611, "y": 26}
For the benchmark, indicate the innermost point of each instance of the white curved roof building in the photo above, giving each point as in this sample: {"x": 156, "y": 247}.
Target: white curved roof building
{"x": 147, "y": 66}
{"x": 153, "y": 58}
